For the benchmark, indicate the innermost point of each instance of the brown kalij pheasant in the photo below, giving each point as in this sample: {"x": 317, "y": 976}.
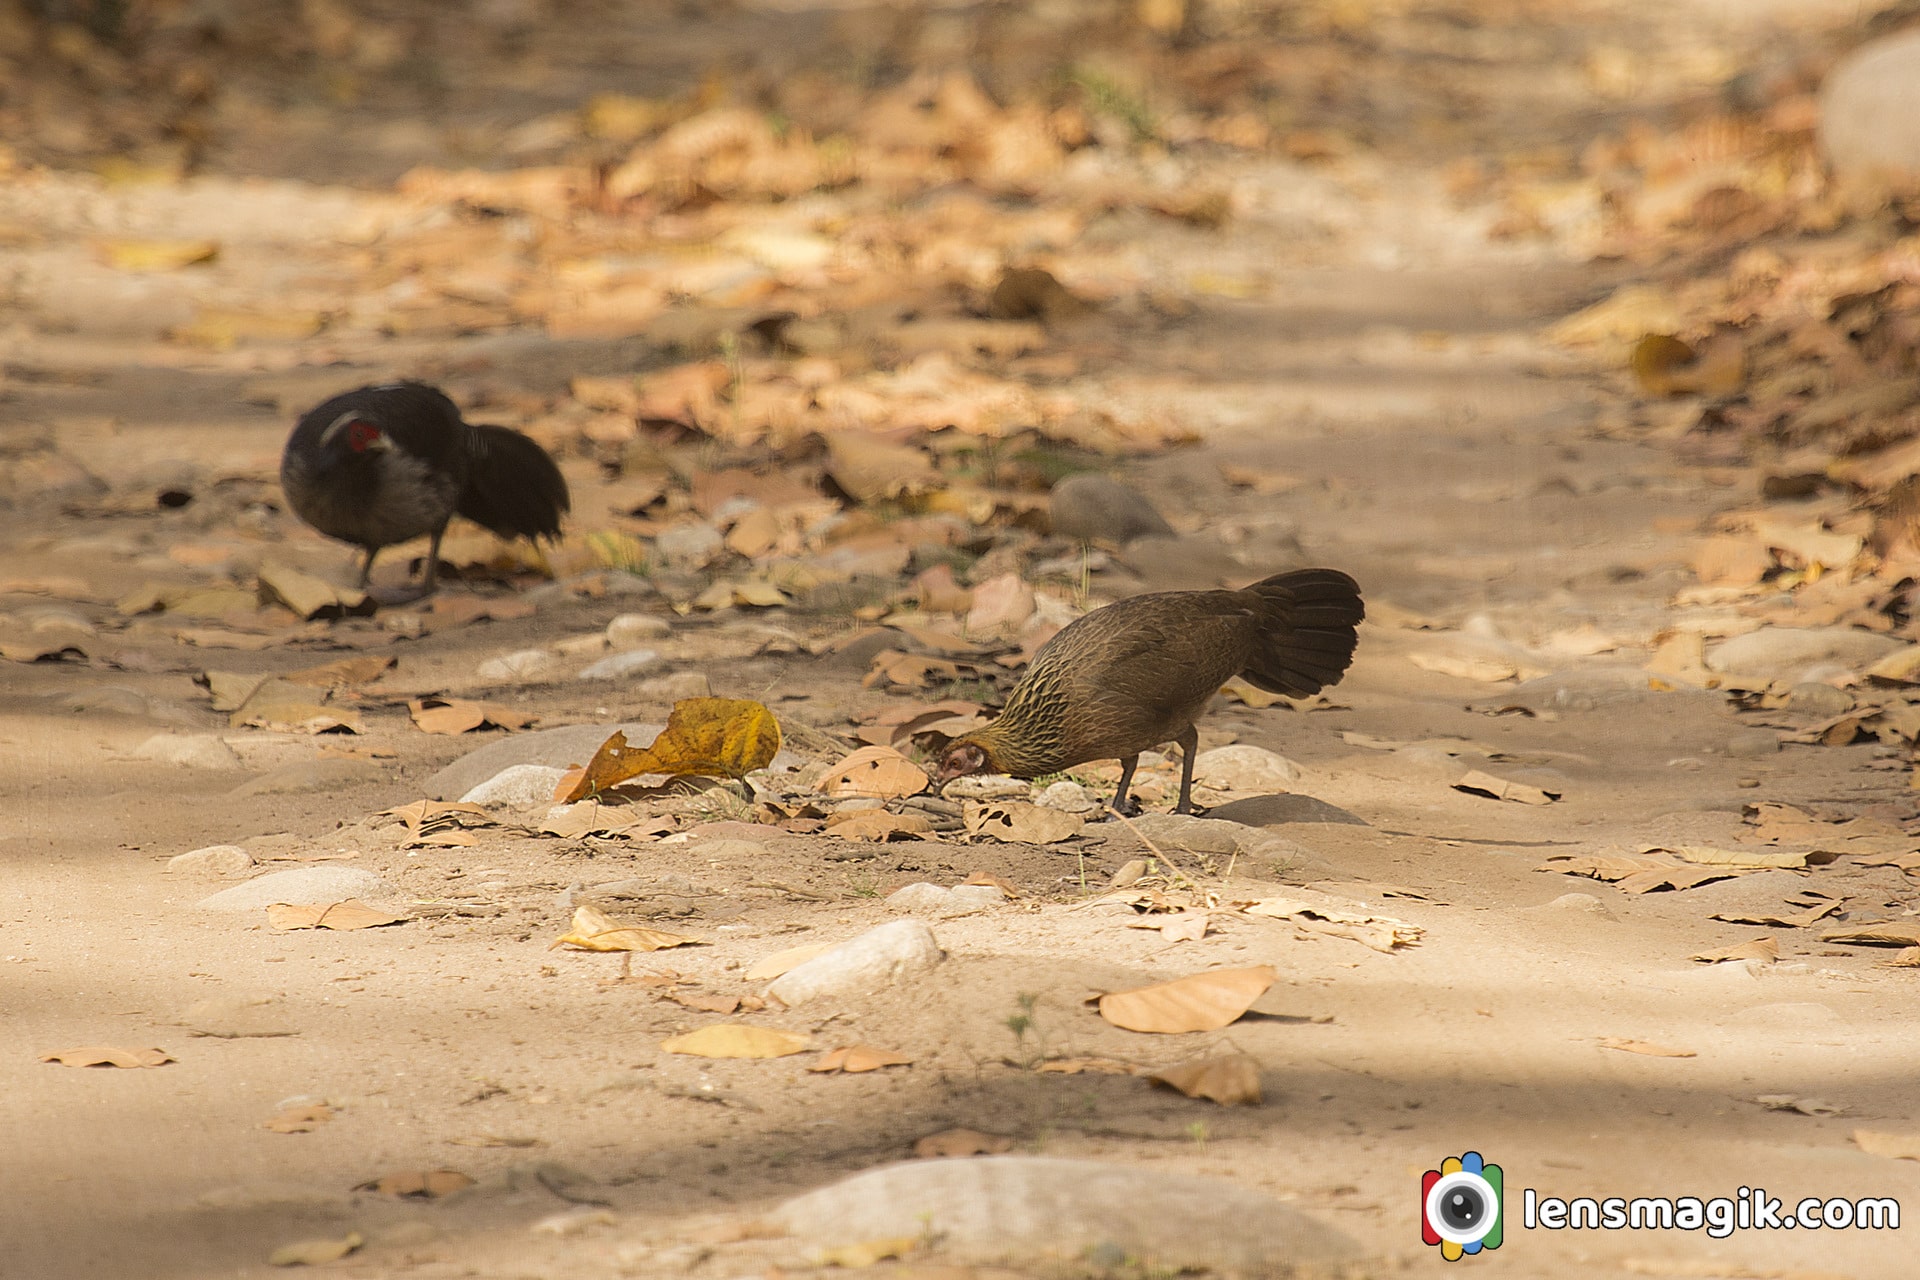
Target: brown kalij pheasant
{"x": 1139, "y": 672}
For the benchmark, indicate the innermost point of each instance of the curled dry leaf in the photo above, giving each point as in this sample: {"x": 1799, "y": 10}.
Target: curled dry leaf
{"x": 1231, "y": 1079}
{"x": 736, "y": 1040}
{"x": 313, "y": 1253}
{"x": 1085, "y": 1066}
{"x": 704, "y": 737}
{"x": 300, "y": 1119}
{"x": 1382, "y": 933}
{"x": 949, "y": 1143}
{"x": 1203, "y": 1002}
{"x": 592, "y": 818}
{"x": 455, "y": 715}
{"x": 1182, "y": 926}
{"x": 1638, "y": 873}
{"x": 878, "y": 824}
{"x": 351, "y": 914}
{"x": 1894, "y": 1146}
{"x": 767, "y": 968}
{"x": 311, "y": 597}
{"x": 419, "y": 1184}
{"x": 1800, "y": 1106}
{"x": 1480, "y": 783}
{"x": 1765, "y": 950}
{"x": 874, "y": 771}
{"x": 108, "y": 1056}
{"x": 1645, "y": 1047}
{"x": 1907, "y": 958}
{"x": 1019, "y": 822}
{"x": 595, "y": 930}
{"x": 1883, "y": 933}
{"x": 860, "y": 1057}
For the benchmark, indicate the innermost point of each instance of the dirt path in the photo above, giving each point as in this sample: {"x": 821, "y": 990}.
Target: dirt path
{"x": 1386, "y": 355}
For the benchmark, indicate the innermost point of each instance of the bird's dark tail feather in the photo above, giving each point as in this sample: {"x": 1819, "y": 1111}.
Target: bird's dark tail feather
{"x": 1307, "y": 642}
{"x": 513, "y": 488}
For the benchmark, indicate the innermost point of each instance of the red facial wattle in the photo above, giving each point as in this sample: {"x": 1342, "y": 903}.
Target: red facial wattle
{"x": 361, "y": 435}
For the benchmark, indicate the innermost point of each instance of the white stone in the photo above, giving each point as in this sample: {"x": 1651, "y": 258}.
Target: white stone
{"x": 672, "y": 688}
{"x": 632, "y": 630}
{"x": 520, "y": 786}
{"x": 618, "y": 666}
{"x": 216, "y": 861}
{"x": 302, "y": 886}
{"x": 1870, "y": 109}
{"x": 190, "y": 751}
{"x": 918, "y": 896}
{"x": 877, "y": 958}
{"x": 524, "y": 666}
{"x": 1776, "y": 653}
{"x": 986, "y": 786}
{"x": 1245, "y": 769}
{"x": 1069, "y": 797}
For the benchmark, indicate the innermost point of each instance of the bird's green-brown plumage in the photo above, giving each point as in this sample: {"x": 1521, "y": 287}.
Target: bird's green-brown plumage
{"x": 1139, "y": 672}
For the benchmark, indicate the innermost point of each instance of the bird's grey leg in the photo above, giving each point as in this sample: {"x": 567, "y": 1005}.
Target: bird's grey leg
{"x": 1189, "y": 748}
{"x": 366, "y": 567}
{"x": 432, "y": 580}
{"x": 1122, "y": 804}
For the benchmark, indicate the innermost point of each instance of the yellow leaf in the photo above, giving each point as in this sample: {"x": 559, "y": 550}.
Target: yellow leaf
{"x": 1203, "y": 1002}
{"x": 351, "y": 914}
{"x": 860, "y": 1057}
{"x": 1894, "y": 1146}
{"x": 704, "y": 737}
{"x": 867, "y": 1252}
{"x": 949, "y": 1143}
{"x": 874, "y": 771}
{"x": 770, "y": 967}
{"x": 299, "y": 1119}
{"x": 107, "y": 1056}
{"x": 736, "y": 1040}
{"x": 595, "y": 930}
{"x": 157, "y": 255}
{"x": 419, "y": 1184}
{"x": 312, "y": 1253}
{"x": 455, "y": 715}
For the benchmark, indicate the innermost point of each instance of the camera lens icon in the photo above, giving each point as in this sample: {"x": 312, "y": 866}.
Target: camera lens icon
{"x": 1460, "y": 1206}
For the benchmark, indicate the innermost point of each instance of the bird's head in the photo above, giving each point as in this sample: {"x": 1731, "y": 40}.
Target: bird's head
{"x": 355, "y": 434}
{"x": 963, "y": 757}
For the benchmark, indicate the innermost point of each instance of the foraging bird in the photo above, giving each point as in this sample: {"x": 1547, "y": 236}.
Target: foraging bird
{"x": 1139, "y": 672}
{"x": 384, "y": 464}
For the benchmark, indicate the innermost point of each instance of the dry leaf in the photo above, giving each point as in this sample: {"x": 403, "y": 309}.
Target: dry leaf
{"x": 866, "y": 1252}
{"x": 291, "y": 708}
{"x": 595, "y": 930}
{"x": 1894, "y": 1146}
{"x": 1883, "y": 933}
{"x": 455, "y": 715}
{"x": 335, "y": 675}
{"x": 1231, "y": 1079}
{"x": 310, "y": 597}
{"x": 877, "y": 824}
{"x": 703, "y": 1003}
{"x": 157, "y": 255}
{"x": 874, "y": 771}
{"x": 1085, "y": 1066}
{"x": 1800, "y": 1106}
{"x": 312, "y": 1253}
{"x": 1908, "y": 958}
{"x": 949, "y": 1143}
{"x": 736, "y": 1040}
{"x": 1766, "y": 950}
{"x": 858, "y": 1058}
{"x": 704, "y": 737}
{"x": 869, "y": 469}
{"x": 1182, "y": 926}
{"x": 351, "y": 914}
{"x": 302, "y": 1119}
{"x": 1382, "y": 933}
{"x": 1480, "y": 783}
{"x": 1203, "y": 1002}
{"x": 1638, "y": 873}
{"x": 419, "y": 1184}
{"x": 108, "y": 1056}
{"x": 770, "y": 967}
{"x": 1018, "y": 821}
{"x": 1646, "y": 1047}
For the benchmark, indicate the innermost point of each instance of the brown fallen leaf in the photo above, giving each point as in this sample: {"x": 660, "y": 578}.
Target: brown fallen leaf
{"x": 291, "y": 708}
{"x": 1382, "y": 933}
{"x": 770, "y": 967}
{"x": 736, "y": 1040}
{"x": 1019, "y": 822}
{"x": 418, "y": 1184}
{"x": 595, "y": 930}
{"x": 1883, "y": 933}
{"x": 346, "y": 671}
{"x": 1646, "y": 1047}
{"x": 313, "y": 1253}
{"x": 866, "y": 1252}
{"x": 704, "y": 737}
{"x": 108, "y": 1056}
{"x": 1231, "y": 1079}
{"x": 1766, "y": 950}
{"x": 310, "y": 597}
{"x": 456, "y": 715}
{"x": 1181, "y": 926}
{"x": 874, "y": 771}
{"x": 878, "y": 824}
{"x": 351, "y": 914}
{"x": 1480, "y": 783}
{"x": 1799, "y": 1106}
{"x": 1894, "y": 1146}
{"x": 951, "y": 1143}
{"x": 1781, "y": 919}
{"x": 301, "y": 1119}
{"x": 1908, "y": 958}
{"x": 1202, "y": 1002}
{"x": 859, "y": 1057}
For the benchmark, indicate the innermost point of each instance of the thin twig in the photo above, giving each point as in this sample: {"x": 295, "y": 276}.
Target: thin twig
{"x": 1158, "y": 852}
{"x": 787, "y": 888}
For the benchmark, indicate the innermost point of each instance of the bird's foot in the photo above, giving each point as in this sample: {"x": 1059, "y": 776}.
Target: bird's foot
{"x": 1129, "y": 809}
{"x": 1194, "y": 810}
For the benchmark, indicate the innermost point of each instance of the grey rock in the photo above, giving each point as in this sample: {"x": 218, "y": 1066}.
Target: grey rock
{"x": 1583, "y": 690}
{"x": 1179, "y": 832}
{"x": 523, "y": 666}
{"x": 215, "y": 862}
{"x": 1272, "y": 811}
{"x": 919, "y": 896}
{"x": 1776, "y": 653}
{"x": 986, "y": 786}
{"x": 1175, "y": 564}
{"x": 689, "y": 546}
{"x": 1094, "y": 508}
{"x": 518, "y": 786}
{"x": 635, "y": 630}
{"x": 1576, "y": 904}
{"x": 302, "y": 886}
{"x": 1068, "y": 797}
{"x": 314, "y": 775}
{"x": 1751, "y": 744}
{"x": 879, "y": 957}
{"x": 1037, "y": 1210}
{"x": 1870, "y": 109}
{"x": 672, "y": 688}
{"x": 1245, "y": 768}
{"x": 623, "y": 665}
{"x": 189, "y": 751}
{"x": 1823, "y": 700}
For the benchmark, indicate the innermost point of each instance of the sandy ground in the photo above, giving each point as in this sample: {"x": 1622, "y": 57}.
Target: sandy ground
{"x": 1453, "y": 467}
